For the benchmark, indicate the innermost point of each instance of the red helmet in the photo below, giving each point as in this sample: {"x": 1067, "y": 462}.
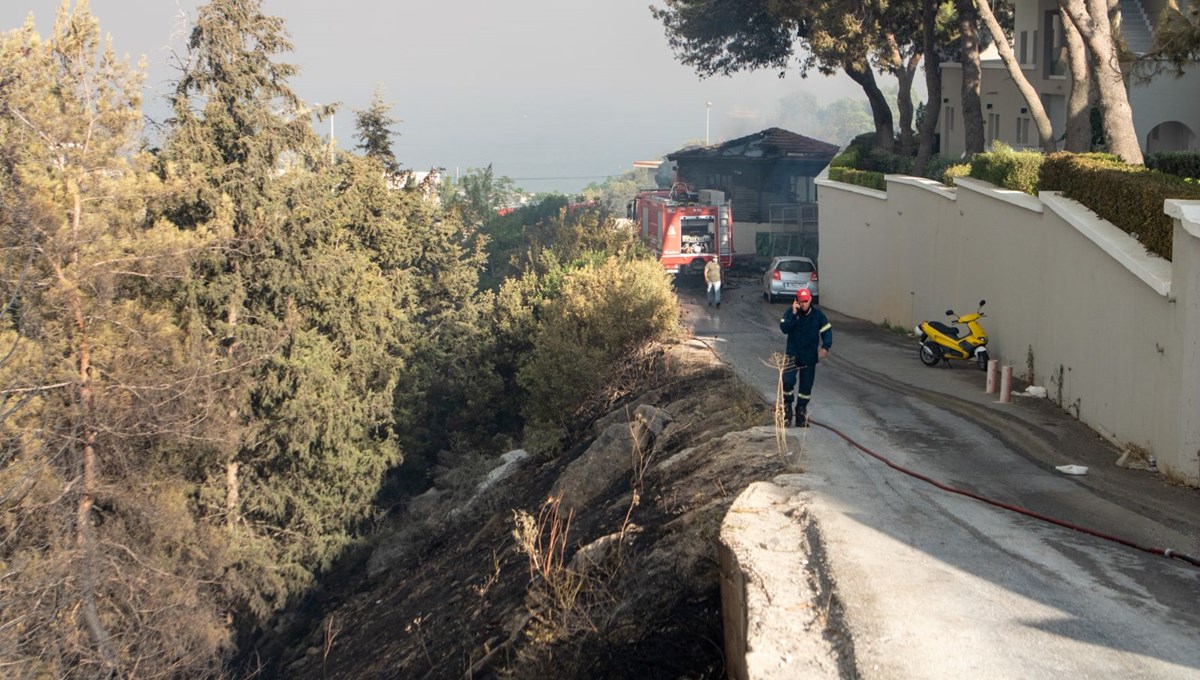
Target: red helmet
{"x": 803, "y": 295}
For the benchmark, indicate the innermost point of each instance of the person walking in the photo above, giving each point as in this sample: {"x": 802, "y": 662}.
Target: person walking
{"x": 712, "y": 277}
{"x": 809, "y": 337}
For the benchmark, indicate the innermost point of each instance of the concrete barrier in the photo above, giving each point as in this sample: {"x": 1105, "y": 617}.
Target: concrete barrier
{"x": 774, "y": 628}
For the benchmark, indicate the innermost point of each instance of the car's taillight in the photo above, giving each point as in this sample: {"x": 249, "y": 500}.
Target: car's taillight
{"x": 813, "y": 277}
{"x": 776, "y": 275}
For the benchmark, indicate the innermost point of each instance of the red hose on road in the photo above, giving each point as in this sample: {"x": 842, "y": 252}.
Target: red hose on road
{"x": 1165, "y": 552}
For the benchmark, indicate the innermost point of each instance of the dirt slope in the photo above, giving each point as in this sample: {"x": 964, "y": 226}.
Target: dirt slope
{"x": 631, "y": 591}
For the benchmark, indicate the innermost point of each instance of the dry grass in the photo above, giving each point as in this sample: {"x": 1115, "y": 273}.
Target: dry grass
{"x": 544, "y": 539}
{"x": 791, "y": 463}
{"x": 331, "y": 629}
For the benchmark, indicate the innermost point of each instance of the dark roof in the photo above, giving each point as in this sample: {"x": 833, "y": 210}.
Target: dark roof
{"x": 770, "y": 143}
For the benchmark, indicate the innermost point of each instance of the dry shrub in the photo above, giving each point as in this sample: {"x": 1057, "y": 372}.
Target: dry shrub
{"x": 603, "y": 312}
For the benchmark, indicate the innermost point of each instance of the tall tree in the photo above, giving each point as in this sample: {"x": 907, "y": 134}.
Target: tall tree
{"x": 900, "y": 52}
{"x": 235, "y": 120}
{"x": 972, "y": 76}
{"x": 98, "y": 384}
{"x": 1033, "y": 102}
{"x": 1091, "y": 19}
{"x": 480, "y": 193}
{"x": 373, "y": 127}
{"x": 903, "y": 63}
{"x": 308, "y": 297}
{"x": 1079, "y": 102}
{"x": 725, "y": 36}
{"x": 933, "y": 84}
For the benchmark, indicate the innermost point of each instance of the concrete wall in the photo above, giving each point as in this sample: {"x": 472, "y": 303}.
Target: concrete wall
{"x": 1074, "y": 304}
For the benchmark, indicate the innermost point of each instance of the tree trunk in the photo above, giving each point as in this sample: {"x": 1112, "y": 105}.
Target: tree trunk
{"x": 231, "y": 495}
{"x": 933, "y": 83}
{"x": 881, "y": 112}
{"x": 972, "y": 118}
{"x": 85, "y": 540}
{"x": 1032, "y": 101}
{"x": 905, "y": 73}
{"x": 1091, "y": 20}
{"x": 1079, "y": 103}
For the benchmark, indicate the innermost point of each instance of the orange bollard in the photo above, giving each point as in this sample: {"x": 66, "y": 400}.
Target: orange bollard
{"x": 1006, "y": 385}
{"x": 992, "y": 371}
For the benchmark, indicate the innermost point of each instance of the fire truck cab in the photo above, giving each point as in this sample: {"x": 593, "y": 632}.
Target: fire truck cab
{"x": 686, "y": 229}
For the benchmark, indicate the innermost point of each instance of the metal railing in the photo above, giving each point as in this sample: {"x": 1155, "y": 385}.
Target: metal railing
{"x": 793, "y": 213}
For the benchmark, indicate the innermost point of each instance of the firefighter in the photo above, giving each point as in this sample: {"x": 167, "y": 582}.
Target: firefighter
{"x": 809, "y": 337}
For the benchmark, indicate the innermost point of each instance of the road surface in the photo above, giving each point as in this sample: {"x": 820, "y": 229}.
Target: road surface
{"x": 938, "y": 585}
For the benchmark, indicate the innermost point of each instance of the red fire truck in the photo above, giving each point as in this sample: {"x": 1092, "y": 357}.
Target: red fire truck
{"x": 685, "y": 229}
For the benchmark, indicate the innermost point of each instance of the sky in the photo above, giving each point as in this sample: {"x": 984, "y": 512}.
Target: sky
{"x": 553, "y": 93}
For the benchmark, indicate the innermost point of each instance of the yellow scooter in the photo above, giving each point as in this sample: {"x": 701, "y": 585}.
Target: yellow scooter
{"x": 941, "y": 342}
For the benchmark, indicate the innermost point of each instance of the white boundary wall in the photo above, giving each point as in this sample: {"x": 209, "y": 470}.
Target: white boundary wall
{"x": 1111, "y": 332}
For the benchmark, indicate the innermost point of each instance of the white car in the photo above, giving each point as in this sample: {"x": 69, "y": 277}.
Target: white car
{"x": 788, "y": 274}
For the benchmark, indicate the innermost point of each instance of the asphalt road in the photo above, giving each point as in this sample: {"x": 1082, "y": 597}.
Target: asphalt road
{"x": 938, "y": 585}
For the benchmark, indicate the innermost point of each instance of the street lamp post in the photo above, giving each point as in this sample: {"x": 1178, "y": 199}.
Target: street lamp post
{"x": 707, "y": 108}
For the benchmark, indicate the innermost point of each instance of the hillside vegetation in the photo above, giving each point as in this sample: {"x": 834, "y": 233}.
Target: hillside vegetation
{"x": 600, "y": 563}
{"x": 225, "y": 359}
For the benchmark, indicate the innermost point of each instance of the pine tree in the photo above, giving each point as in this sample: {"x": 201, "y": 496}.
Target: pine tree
{"x": 374, "y": 131}
{"x": 97, "y": 378}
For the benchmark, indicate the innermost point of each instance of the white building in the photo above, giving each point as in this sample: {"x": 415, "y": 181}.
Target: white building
{"x": 1166, "y": 112}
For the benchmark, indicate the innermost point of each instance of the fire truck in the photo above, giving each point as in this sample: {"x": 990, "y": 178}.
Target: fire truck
{"x": 685, "y": 229}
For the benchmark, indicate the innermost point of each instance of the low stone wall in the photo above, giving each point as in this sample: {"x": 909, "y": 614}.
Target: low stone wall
{"x": 773, "y": 621}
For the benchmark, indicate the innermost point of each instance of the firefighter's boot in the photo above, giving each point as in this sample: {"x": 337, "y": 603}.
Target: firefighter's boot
{"x": 787, "y": 410}
{"x": 802, "y": 416}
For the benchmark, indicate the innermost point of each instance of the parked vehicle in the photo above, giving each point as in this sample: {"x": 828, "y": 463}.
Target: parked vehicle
{"x": 685, "y": 229}
{"x": 941, "y": 342}
{"x": 788, "y": 274}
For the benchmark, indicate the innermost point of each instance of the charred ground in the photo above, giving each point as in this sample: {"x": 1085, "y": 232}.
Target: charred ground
{"x": 628, "y": 587}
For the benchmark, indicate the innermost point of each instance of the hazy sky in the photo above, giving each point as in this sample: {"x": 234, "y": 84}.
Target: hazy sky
{"x": 569, "y": 90}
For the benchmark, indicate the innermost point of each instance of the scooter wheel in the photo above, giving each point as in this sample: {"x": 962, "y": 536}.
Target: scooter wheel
{"x": 930, "y": 356}
{"x": 982, "y": 359}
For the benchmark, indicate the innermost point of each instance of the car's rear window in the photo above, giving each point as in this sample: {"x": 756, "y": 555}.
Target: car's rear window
{"x": 795, "y": 266}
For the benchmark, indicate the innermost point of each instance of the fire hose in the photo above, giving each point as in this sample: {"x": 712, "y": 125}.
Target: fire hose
{"x": 1164, "y": 552}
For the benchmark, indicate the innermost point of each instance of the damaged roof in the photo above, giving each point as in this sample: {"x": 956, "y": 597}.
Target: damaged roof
{"x": 770, "y": 143}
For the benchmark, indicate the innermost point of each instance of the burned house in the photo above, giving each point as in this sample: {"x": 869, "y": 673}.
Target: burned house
{"x": 767, "y": 177}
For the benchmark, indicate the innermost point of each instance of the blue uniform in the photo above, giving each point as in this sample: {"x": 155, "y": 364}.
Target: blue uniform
{"x": 806, "y": 334}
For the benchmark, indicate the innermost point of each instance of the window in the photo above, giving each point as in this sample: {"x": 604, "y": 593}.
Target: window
{"x": 1023, "y": 49}
{"x": 1056, "y": 46}
{"x": 803, "y": 189}
{"x": 796, "y": 266}
{"x": 993, "y": 127}
{"x": 1022, "y": 130}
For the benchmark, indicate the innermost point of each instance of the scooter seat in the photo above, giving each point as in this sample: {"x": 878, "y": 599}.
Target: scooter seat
{"x": 943, "y": 328}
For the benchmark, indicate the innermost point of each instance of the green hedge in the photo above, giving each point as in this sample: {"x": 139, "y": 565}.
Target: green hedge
{"x": 938, "y": 168}
{"x": 1182, "y": 163}
{"x": 845, "y": 159}
{"x": 886, "y": 162}
{"x": 865, "y": 178}
{"x": 1129, "y": 196}
{"x": 955, "y": 171}
{"x": 1004, "y": 167}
